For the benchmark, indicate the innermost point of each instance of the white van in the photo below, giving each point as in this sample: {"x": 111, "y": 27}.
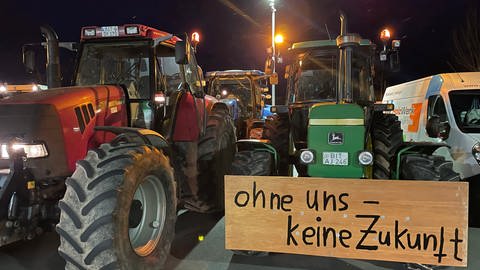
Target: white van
{"x": 443, "y": 107}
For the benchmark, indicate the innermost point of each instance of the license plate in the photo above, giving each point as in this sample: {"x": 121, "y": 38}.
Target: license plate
{"x": 109, "y": 31}
{"x": 335, "y": 158}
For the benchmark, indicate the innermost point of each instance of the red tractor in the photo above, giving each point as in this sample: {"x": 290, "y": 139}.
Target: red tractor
{"x": 113, "y": 157}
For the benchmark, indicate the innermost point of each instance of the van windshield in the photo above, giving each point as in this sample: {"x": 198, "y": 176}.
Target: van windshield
{"x": 466, "y": 109}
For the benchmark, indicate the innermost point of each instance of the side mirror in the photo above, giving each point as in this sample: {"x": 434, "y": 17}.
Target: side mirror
{"x": 28, "y": 55}
{"x": 202, "y": 78}
{"x": 437, "y": 129}
{"x": 181, "y": 52}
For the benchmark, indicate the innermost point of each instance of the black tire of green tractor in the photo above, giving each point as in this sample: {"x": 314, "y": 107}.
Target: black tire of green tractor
{"x": 252, "y": 163}
{"x": 216, "y": 150}
{"x": 276, "y": 130}
{"x": 97, "y": 211}
{"x": 386, "y": 138}
{"x": 427, "y": 167}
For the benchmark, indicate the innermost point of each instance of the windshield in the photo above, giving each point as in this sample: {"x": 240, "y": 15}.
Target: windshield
{"x": 124, "y": 63}
{"x": 466, "y": 110}
{"x": 315, "y": 79}
{"x": 235, "y": 88}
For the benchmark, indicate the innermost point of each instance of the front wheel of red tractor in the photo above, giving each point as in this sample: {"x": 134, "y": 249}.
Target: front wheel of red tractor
{"x": 119, "y": 209}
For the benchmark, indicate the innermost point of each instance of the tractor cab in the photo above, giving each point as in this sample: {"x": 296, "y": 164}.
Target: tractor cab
{"x": 142, "y": 60}
{"x": 314, "y": 75}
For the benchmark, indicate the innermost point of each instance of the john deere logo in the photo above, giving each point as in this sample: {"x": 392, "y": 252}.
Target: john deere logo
{"x": 335, "y": 138}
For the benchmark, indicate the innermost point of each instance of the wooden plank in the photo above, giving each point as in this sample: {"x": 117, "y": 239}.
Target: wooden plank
{"x": 407, "y": 221}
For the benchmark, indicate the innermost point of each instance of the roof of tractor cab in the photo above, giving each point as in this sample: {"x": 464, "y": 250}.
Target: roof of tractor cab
{"x": 313, "y": 44}
{"x": 125, "y": 31}
{"x": 235, "y": 73}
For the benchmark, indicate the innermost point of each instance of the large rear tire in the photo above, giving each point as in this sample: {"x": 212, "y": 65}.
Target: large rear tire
{"x": 386, "y": 138}
{"x": 119, "y": 209}
{"x": 216, "y": 150}
{"x": 276, "y": 130}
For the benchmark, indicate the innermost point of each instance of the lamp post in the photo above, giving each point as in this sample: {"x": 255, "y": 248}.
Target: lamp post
{"x": 274, "y": 57}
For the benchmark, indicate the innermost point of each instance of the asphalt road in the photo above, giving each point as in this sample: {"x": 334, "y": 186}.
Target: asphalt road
{"x": 189, "y": 253}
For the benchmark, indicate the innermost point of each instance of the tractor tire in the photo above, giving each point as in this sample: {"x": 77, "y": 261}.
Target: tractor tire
{"x": 252, "y": 163}
{"x": 276, "y": 130}
{"x": 424, "y": 167}
{"x": 119, "y": 209}
{"x": 216, "y": 150}
{"x": 386, "y": 138}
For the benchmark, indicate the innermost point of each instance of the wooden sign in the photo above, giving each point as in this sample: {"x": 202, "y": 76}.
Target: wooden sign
{"x": 389, "y": 220}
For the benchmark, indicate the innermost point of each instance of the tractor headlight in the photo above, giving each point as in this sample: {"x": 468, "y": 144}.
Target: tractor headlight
{"x": 307, "y": 156}
{"x": 365, "y": 158}
{"x": 31, "y": 150}
{"x": 476, "y": 152}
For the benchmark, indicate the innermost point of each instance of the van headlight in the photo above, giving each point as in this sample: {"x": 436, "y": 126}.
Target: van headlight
{"x": 476, "y": 152}
{"x": 31, "y": 150}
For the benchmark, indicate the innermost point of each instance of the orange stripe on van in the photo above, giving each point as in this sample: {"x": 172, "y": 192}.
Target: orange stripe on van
{"x": 415, "y": 117}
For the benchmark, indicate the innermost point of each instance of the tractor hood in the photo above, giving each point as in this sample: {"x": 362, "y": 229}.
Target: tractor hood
{"x": 62, "y": 119}
{"x": 62, "y": 98}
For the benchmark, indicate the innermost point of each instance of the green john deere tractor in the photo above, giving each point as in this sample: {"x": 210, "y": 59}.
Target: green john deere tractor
{"x": 332, "y": 124}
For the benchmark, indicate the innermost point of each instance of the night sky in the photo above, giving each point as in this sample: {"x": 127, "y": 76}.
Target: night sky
{"x": 236, "y": 33}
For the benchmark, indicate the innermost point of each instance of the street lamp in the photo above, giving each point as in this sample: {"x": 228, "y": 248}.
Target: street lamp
{"x": 274, "y": 58}
{"x": 278, "y": 39}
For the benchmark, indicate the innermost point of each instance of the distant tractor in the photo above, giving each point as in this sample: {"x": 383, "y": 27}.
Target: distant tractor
{"x": 115, "y": 155}
{"x": 331, "y": 126}
{"x": 245, "y": 92}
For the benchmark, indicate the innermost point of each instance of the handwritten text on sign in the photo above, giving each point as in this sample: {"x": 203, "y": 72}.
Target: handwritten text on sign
{"x": 408, "y": 221}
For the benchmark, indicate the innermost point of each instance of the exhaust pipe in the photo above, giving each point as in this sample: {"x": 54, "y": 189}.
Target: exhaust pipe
{"x": 53, "y": 56}
{"x": 343, "y": 24}
{"x": 345, "y": 42}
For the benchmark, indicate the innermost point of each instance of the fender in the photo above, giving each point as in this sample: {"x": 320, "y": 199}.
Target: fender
{"x": 426, "y": 148}
{"x": 146, "y": 136}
